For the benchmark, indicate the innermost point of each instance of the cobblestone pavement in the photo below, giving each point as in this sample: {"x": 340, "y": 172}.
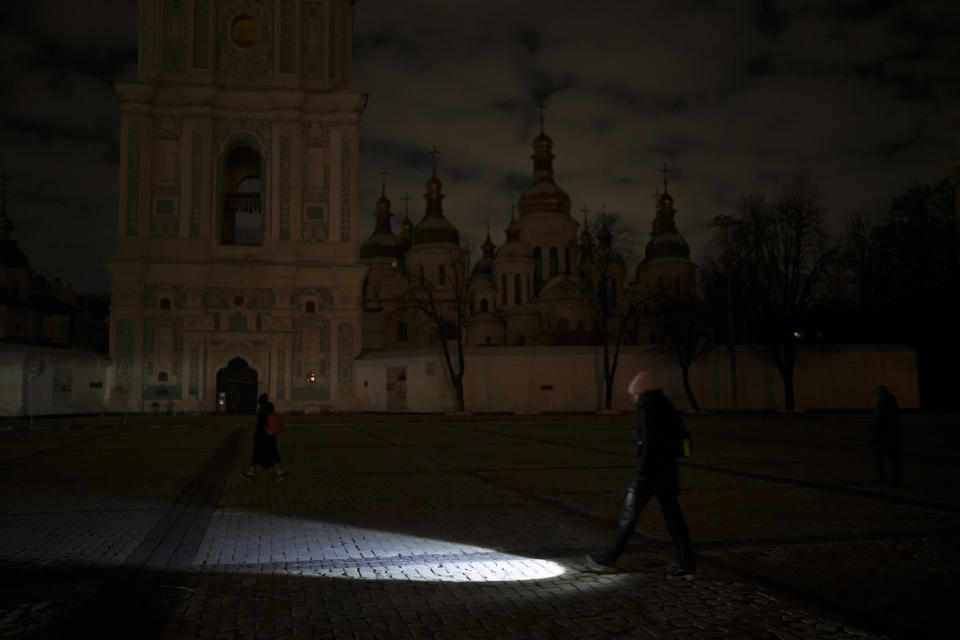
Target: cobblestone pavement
{"x": 469, "y": 527}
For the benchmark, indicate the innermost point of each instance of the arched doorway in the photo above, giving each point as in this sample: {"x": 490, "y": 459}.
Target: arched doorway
{"x": 237, "y": 388}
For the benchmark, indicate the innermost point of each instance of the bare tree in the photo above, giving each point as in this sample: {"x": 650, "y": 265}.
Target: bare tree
{"x": 683, "y": 330}
{"x": 601, "y": 285}
{"x": 443, "y": 298}
{"x": 786, "y": 252}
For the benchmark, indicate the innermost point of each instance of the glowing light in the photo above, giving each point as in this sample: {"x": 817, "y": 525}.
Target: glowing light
{"x": 334, "y": 550}
{"x": 312, "y": 377}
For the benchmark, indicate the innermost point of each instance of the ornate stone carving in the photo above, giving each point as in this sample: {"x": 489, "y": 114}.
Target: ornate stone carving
{"x": 313, "y": 40}
{"x": 175, "y": 36}
{"x": 153, "y": 292}
{"x": 345, "y": 359}
{"x": 133, "y": 182}
{"x": 254, "y": 297}
{"x": 318, "y": 135}
{"x": 196, "y": 182}
{"x": 261, "y": 128}
{"x": 205, "y": 322}
{"x": 288, "y": 37}
{"x": 346, "y": 199}
{"x": 286, "y": 144}
{"x": 323, "y": 297}
{"x": 201, "y": 35}
{"x": 277, "y": 323}
{"x": 256, "y": 61}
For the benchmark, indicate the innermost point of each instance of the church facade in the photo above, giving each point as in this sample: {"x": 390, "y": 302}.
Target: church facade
{"x": 236, "y": 269}
{"x": 535, "y": 289}
{"x": 239, "y": 269}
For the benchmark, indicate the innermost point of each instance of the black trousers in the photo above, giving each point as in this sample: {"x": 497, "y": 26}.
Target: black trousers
{"x": 638, "y": 495}
{"x": 879, "y": 453}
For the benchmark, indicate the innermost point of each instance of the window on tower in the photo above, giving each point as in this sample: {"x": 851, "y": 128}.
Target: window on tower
{"x": 242, "y": 221}
{"x": 554, "y": 262}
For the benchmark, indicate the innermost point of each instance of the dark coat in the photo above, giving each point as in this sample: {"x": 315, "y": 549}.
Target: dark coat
{"x": 656, "y": 461}
{"x": 886, "y": 423}
{"x": 265, "y": 451}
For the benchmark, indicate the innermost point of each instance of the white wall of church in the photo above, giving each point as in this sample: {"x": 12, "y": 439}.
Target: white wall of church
{"x": 522, "y": 379}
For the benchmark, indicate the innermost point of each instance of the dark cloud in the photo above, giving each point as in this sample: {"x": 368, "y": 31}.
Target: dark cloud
{"x": 771, "y": 21}
{"x": 859, "y": 96}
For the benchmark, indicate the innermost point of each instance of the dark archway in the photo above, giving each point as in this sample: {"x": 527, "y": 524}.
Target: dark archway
{"x": 238, "y": 384}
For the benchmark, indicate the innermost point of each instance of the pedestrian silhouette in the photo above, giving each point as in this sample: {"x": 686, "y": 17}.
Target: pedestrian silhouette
{"x": 265, "y": 452}
{"x": 660, "y": 440}
{"x": 886, "y": 434}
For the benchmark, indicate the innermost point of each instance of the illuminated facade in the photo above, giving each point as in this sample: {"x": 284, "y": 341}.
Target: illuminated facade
{"x": 236, "y": 271}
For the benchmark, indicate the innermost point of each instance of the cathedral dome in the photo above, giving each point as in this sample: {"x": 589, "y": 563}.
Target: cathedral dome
{"x": 484, "y": 266}
{"x": 382, "y": 243}
{"x": 667, "y": 244}
{"x": 543, "y": 195}
{"x": 434, "y": 227}
{"x": 665, "y": 240}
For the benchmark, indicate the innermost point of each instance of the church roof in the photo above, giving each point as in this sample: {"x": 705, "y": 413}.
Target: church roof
{"x": 434, "y": 227}
{"x": 543, "y": 195}
{"x": 382, "y": 243}
{"x": 484, "y": 266}
{"x": 665, "y": 240}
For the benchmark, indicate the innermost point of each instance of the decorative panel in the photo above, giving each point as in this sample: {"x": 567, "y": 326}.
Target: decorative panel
{"x": 314, "y": 40}
{"x": 286, "y": 142}
{"x": 174, "y": 50}
{"x": 346, "y": 209}
{"x": 133, "y": 182}
{"x": 288, "y": 36}
{"x": 201, "y": 35}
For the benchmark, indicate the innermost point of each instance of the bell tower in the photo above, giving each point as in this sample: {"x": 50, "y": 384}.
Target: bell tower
{"x": 237, "y": 220}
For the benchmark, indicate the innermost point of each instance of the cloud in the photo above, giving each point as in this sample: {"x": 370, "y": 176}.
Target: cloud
{"x": 859, "y": 96}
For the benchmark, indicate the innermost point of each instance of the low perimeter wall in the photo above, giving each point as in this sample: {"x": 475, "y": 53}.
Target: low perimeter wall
{"x": 526, "y": 379}
{"x": 38, "y": 380}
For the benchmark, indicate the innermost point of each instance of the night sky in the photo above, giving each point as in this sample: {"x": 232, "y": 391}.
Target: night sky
{"x": 860, "y": 98}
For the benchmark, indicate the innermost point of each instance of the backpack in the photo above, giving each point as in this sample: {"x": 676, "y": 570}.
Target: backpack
{"x": 274, "y": 426}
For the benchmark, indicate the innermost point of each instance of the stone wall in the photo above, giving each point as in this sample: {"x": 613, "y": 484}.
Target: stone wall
{"x": 524, "y": 379}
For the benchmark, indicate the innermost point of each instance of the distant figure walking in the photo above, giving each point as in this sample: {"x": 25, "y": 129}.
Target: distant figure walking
{"x": 265, "y": 453}
{"x": 886, "y": 434}
{"x": 659, "y": 437}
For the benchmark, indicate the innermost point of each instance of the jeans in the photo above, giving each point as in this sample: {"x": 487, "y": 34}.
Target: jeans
{"x": 638, "y": 494}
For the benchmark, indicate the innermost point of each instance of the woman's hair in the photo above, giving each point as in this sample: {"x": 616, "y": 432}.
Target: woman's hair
{"x": 263, "y": 399}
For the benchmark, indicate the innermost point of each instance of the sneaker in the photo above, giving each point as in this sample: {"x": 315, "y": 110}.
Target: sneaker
{"x": 246, "y": 475}
{"x": 682, "y": 574}
{"x": 600, "y": 564}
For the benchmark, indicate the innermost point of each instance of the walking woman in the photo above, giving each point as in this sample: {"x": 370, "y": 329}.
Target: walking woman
{"x": 265, "y": 453}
